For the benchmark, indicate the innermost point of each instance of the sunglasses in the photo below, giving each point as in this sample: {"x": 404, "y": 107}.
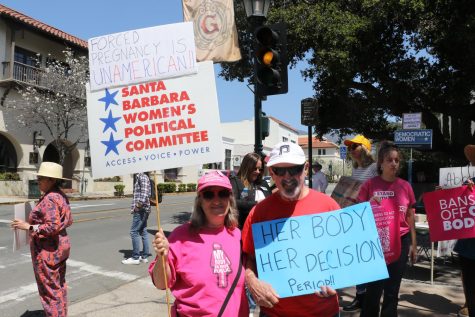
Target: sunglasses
{"x": 293, "y": 170}
{"x": 210, "y": 194}
{"x": 354, "y": 146}
{"x": 40, "y": 178}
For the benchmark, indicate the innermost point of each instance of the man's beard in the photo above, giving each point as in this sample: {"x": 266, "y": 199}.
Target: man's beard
{"x": 290, "y": 188}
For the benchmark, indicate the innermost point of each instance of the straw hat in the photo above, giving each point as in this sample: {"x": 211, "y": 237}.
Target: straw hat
{"x": 469, "y": 151}
{"x": 50, "y": 169}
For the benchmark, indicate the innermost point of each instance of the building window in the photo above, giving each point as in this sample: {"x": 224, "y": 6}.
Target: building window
{"x": 26, "y": 57}
{"x": 322, "y": 152}
{"x": 171, "y": 174}
{"x": 227, "y": 159}
{"x": 284, "y": 139}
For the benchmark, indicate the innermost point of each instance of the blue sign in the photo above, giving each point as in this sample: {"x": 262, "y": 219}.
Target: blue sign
{"x": 421, "y": 138}
{"x": 297, "y": 255}
{"x": 343, "y": 152}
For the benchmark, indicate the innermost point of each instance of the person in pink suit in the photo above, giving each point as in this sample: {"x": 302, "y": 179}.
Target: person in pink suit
{"x": 49, "y": 241}
{"x": 202, "y": 258}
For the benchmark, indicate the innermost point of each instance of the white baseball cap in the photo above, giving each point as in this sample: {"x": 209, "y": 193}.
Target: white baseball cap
{"x": 286, "y": 152}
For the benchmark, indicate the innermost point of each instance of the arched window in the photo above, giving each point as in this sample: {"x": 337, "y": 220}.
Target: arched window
{"x": 8, "y": 158}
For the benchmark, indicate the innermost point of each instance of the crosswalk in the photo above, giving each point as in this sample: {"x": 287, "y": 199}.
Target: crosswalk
{"x": 77, "y": 271}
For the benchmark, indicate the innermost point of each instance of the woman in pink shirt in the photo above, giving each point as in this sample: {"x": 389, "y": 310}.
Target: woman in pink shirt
{"x": 392, "y": 200}
{"x": 203, "y": 257}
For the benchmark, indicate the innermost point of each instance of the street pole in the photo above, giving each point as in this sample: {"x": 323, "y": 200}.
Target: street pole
{"x": 257, "y": 123}
{"x": 310, "y": 156}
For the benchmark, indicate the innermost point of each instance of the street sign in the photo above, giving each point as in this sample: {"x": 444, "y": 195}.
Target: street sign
{"x": 308, "y": 111}
{"x": 411, "y": 120}
{"x": 421, "y": 138}
{"x": 343, "y": 152}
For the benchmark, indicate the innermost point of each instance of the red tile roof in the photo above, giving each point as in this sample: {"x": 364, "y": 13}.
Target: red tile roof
{"x": 42, "y": 27}
{"x": 316, "y": 143}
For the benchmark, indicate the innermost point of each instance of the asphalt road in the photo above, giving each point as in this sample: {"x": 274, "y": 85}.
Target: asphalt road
{"x": 99, "y": 241}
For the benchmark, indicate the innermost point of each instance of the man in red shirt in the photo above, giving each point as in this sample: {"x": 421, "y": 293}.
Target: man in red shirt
{"x": 288, "y": 167}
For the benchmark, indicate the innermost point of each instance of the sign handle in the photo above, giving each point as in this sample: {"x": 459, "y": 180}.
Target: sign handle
{"x": 163, "y": 257}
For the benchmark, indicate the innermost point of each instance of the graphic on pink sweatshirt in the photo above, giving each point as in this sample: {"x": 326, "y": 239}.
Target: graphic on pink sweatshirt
{"x": 221, "y": 265}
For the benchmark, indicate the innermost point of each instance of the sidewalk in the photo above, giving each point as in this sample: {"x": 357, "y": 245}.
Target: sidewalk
{"x": 417, "y": 298}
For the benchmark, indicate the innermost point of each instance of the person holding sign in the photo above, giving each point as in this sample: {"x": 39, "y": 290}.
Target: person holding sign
{"x": 466, "y": 250}
{"x": 392, "y": 200}
{"x": 248, "y": 186}
{"x": 203, "y": 257}
{"x": 287, "y": 165}
{"x": 49, "y": 241}
{"x": 364, "y": 168}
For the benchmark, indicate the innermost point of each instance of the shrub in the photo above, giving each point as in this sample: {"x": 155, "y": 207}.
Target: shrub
{"x": 181, "y": 188}
{"x": 119, "y": 188}
{"x": 9, "y": 176}
{"x": 109, "y": 179}
{"x": 190, "y": 187}
{"x": 167, "y": 187}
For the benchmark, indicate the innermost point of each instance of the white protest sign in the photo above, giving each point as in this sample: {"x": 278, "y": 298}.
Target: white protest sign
{"x": 155, "y": 125}
{"x": 411, "y": 120}
{"x": 450, "y": 177}
{"x": 21, "y": 238}
{"x": 142, "y": 55}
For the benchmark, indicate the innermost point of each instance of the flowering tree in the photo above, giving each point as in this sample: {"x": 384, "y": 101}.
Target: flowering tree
{"x": 55, "y": 99}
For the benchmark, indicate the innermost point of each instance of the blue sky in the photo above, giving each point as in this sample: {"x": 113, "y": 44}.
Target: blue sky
{"x": 86, "y": 19}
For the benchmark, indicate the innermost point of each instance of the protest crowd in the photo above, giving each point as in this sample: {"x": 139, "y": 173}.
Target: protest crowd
{"x": 251, "y": 247}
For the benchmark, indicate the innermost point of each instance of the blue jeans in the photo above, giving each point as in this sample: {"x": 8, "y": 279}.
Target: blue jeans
{"x": 138, "y": 231}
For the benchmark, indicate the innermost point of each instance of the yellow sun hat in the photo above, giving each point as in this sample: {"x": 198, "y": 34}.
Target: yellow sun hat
{"x": 359, "y": 139}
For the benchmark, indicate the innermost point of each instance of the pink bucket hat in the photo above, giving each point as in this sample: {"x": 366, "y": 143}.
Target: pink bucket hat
{"x": 214, "y": 178}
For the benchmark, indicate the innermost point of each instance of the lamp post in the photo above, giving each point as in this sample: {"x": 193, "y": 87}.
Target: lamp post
{"x": 38, "y": 140}
{"x": 83, "y": 179}
{"x": 256, "y": 12}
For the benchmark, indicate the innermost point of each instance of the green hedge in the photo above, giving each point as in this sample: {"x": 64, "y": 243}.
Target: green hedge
{"x": 167, "y": 187}
{"x": 191, "y": 187}
{"x": 109, "y": 179}
{"x": 9, "y": 176}
{"x": 181, "y": 188}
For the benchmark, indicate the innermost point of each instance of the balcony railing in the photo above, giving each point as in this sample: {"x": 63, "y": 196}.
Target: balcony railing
{"x": 38, "y": 77}
{"x": 28, "y": 74}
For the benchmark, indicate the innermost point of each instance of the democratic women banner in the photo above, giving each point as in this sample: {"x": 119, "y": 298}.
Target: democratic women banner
{"x": 155, "y": 125}
{"x": 142, "y": 55}
{"x": 297, "y": 255}
{"x": 450, "y": 213}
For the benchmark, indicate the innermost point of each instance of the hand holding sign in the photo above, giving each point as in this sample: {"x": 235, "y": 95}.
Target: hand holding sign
{"x": 262, "y": 292}
{"x": 298, "y": 255}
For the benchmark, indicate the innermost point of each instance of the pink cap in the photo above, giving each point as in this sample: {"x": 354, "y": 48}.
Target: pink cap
{"x": 214, "y": 178}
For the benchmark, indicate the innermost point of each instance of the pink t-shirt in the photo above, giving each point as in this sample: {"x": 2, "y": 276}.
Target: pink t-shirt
{"x": 203, "y": 267}
{"x": 390, "y": 216}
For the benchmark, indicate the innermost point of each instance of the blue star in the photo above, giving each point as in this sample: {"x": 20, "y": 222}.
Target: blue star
{"x": 109, "y": 98}
{"x": 110, "y": 122}
{"x": 111, "y": 144}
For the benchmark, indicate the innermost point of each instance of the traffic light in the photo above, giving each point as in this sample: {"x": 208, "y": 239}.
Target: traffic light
{"x": 265, "y": 125}
{"x": 270, "y": 52}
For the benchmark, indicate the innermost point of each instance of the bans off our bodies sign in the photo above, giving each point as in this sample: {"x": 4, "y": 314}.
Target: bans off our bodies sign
{"x": 451, "y": 213}
{"x": 297, "y": 255}
{"x": 155, "y": 125}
